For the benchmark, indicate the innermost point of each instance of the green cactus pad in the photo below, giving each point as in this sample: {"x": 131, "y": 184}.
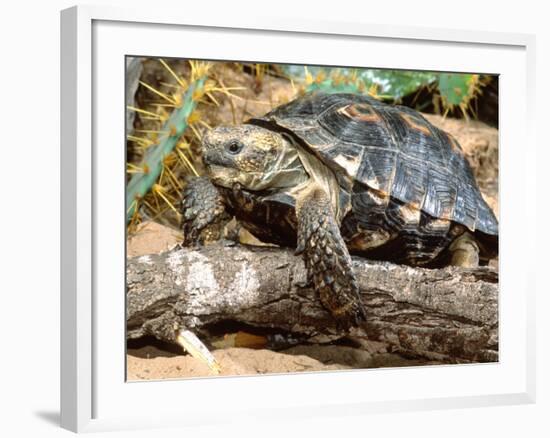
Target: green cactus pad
{"x": 456, "y": 89}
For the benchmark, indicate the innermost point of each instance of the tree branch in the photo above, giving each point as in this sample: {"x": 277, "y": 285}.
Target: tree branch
{"x": 447, "y": 314}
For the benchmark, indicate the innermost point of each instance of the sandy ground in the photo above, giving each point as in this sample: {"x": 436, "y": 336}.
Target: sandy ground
{"x": 153, "y": 363}
{"x": 233, "y": 362}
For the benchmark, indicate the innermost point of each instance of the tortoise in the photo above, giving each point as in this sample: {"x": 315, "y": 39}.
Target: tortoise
{"x": 334, "y": 174}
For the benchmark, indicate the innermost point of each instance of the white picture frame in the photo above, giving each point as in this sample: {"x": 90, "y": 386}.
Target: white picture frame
{"x": 94, "y": 395}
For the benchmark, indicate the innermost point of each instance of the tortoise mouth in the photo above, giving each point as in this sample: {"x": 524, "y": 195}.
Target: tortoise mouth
{"x": 221, "y": 176}
{"x": 227, "y": 177}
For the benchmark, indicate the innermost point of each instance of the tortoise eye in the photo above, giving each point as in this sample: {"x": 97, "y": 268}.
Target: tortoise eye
{"x": 234, "y": 147}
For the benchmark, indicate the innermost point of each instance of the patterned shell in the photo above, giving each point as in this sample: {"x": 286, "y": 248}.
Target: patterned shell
{"x": 392, "y": 150}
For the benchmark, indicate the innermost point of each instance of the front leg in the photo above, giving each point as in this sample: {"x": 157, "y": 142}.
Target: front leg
{"x": 326, "y": 256}
{"x": 203, "y": 212}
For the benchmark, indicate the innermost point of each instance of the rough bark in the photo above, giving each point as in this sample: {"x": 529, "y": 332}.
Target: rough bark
{"x": 448, "y": 314}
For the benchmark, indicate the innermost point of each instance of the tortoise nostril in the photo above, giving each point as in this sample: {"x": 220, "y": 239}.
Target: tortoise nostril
{"x": 207, "y": 157}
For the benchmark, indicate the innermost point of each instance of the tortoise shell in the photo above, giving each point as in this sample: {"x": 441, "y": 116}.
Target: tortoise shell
{"x": 408, "y": 184}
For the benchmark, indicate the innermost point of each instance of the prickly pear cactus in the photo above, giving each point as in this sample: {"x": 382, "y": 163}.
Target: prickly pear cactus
{"x": 383, "y": 84}
{"x": 458, "y": 90}
{"x": 451, "y": 90}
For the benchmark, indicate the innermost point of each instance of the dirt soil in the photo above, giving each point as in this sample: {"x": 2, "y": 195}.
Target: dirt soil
{"x": 152, "y": 363}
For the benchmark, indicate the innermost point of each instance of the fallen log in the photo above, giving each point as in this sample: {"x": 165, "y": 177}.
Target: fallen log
{"x": 448, "y": 314}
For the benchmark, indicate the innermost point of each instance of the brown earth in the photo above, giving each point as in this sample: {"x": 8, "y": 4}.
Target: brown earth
{"x": 152, "y": 363}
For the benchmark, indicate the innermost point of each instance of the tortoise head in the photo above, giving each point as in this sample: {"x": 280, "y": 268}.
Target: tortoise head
{"x": 252, "y": 156}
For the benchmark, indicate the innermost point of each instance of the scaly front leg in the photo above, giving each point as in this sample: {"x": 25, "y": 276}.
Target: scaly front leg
{"x": 203, "y": 212}
{"x": 326, "y": 256}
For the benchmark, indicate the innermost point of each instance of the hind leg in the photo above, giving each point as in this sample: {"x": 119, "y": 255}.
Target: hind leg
{"x": 465, "y": 251}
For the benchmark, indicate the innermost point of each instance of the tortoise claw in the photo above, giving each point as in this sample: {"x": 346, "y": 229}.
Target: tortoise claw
{"x": 202, "y": 211}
